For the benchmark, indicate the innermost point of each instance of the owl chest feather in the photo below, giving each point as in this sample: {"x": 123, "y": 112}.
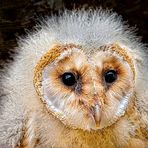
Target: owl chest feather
{"x": 52, "y": 133}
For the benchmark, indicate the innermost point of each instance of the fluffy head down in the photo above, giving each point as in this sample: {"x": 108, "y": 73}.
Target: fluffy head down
{"x": 93, "y": 101}
{"x": 90, "y": 103}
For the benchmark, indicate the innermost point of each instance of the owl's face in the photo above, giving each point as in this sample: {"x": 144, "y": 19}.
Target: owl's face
{"x": 87, "y": 91}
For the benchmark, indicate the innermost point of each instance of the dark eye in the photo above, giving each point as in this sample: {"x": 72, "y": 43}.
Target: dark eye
{"x": 68, "y": 79}
{"x": 110, "y": 76}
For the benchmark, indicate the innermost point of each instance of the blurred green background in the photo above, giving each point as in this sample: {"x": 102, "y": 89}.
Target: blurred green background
{"x": 18, "y": 15}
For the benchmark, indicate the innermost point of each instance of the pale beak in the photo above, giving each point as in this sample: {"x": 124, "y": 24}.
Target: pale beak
{"x": 96, "y": 113}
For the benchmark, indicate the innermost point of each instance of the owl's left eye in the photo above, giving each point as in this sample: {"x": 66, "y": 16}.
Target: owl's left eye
{"x": 68, "y": 79}
{"x": 110, "y": 76}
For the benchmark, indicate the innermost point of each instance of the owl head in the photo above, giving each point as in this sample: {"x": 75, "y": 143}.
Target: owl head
{"x": 85, "y": 90}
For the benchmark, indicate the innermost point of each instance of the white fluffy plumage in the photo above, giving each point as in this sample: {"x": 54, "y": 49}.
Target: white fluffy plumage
{"x": 24, "y": 116}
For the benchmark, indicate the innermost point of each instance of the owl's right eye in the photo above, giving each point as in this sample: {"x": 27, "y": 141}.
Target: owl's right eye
{"x": 68, "y": 79}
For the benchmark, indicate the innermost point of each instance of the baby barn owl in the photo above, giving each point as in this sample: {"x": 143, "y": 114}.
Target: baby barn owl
{"x": 79, "y": 80}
